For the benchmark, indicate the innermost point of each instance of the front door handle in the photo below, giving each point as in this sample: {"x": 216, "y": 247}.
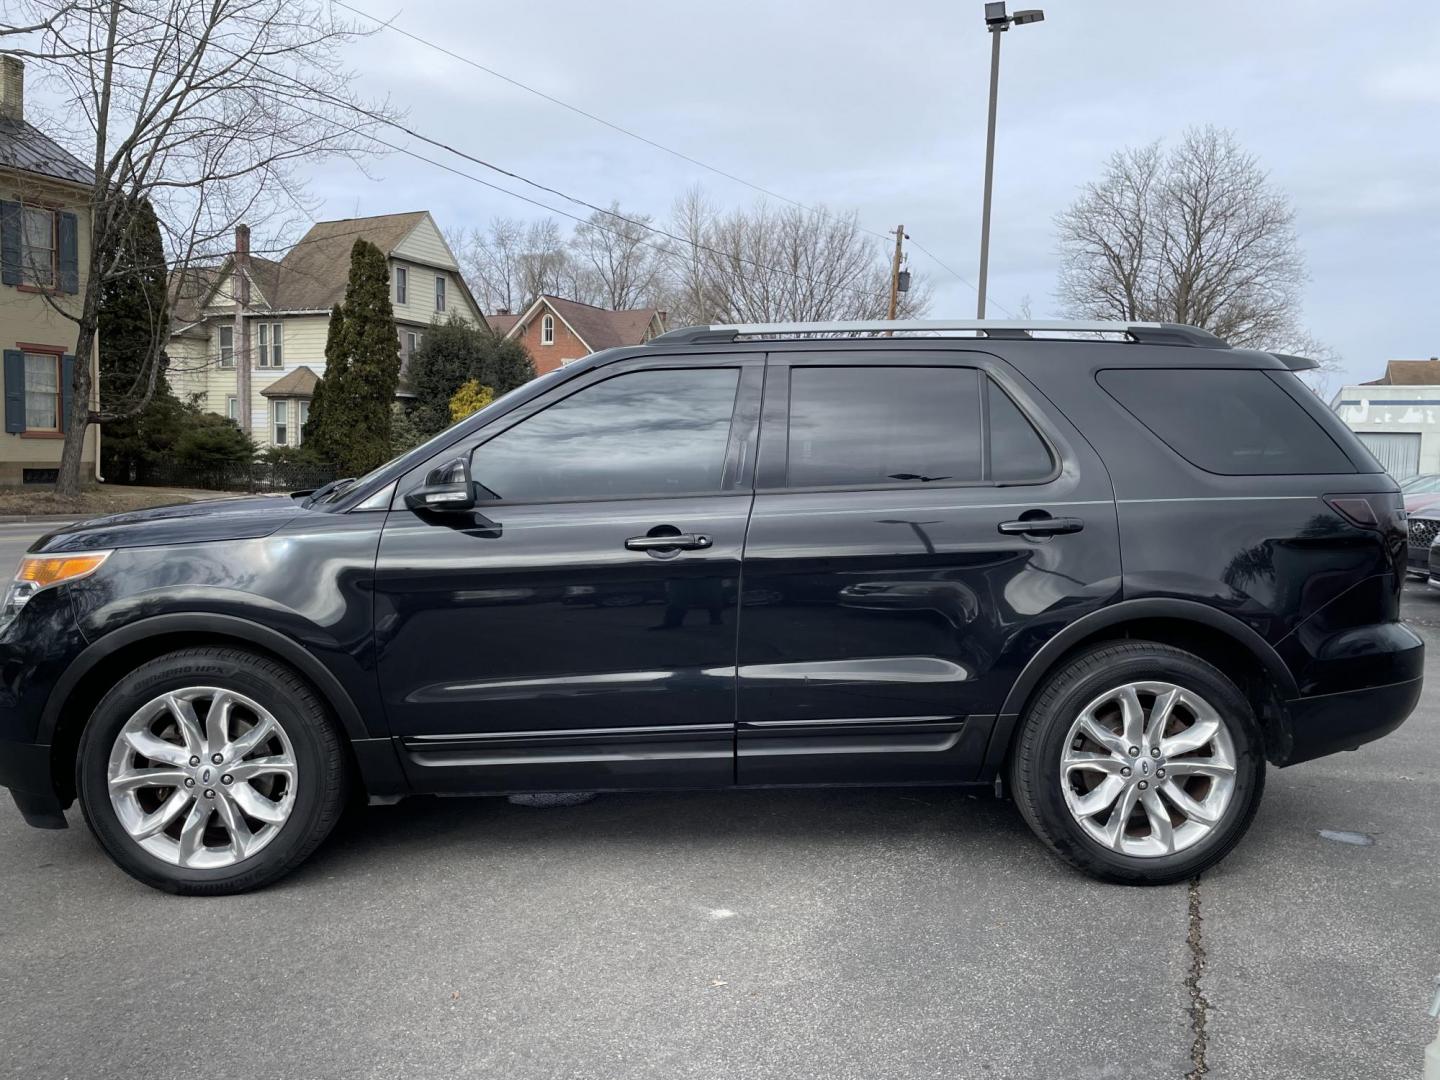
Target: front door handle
{"x": 673, "y": 542}
{"x": 1046, "y": 526}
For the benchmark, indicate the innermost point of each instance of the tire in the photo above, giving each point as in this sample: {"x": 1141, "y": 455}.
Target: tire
{"x": 255, "y": 825}
{"x": 1061, "y": 770}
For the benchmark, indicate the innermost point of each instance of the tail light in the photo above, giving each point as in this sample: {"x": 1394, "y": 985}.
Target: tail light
{"x": 1383, "y": 512}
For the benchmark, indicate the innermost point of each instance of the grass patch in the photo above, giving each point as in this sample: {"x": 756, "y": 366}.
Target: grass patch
{"x": 92, "y": 501}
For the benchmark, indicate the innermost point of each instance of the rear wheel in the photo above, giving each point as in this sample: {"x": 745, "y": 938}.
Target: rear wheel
{"x": 1139, "y": 763}
{"x": 210, "y": 771}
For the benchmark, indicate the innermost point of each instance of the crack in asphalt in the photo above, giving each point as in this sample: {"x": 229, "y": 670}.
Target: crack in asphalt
{"x": 1199, "y": 1005}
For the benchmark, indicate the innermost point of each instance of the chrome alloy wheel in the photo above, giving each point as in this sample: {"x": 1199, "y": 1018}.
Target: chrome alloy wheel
{"x": 1148, "y": 769}
{"x": 202, "y": 778}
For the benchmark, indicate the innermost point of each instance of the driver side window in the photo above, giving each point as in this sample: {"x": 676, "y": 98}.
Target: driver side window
{"x": 644, "y": 433}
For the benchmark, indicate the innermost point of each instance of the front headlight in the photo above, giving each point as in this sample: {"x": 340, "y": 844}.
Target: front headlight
{"x": 38, "y": 572}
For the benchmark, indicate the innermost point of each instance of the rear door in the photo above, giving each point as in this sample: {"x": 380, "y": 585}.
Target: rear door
{"x": 917, "y": 515}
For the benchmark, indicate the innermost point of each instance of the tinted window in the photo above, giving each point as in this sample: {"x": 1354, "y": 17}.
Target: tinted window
{"x": 883, "y": 425}
{"x": 1238, "y": 423}
{"x": 645, "y": 433}
{"x": 1016, "y": 450}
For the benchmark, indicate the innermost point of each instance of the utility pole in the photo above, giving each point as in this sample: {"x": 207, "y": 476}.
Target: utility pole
{"x": 240, "y": 285}
{"x": 900, "y": 238}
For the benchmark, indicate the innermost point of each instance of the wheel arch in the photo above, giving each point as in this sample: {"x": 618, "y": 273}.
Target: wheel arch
{"x": 1213, "y": 635}
{"x": 98, "y": 667}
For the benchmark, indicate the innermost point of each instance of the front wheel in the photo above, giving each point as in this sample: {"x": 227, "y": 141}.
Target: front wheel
{"x": 1139, "y": 763}
{"x": 210, "y": 771}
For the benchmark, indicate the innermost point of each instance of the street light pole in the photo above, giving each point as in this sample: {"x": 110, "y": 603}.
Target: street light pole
{"x": 997, "y": 22}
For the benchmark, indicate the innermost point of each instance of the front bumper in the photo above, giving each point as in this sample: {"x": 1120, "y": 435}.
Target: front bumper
{"x": 1417, "y": 559}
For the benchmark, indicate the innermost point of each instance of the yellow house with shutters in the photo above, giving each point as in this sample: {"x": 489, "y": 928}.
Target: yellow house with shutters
{"x": 248, "y": 336}
{"x": 44, "y": 243}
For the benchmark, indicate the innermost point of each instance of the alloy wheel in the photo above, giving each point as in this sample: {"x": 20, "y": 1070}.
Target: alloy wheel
{"x": 203, "y": 777}
{"x": 1148, "y": 769}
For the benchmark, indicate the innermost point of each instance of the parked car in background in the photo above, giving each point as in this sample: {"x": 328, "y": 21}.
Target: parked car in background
{"x": 1424, "y": 529}
{"x": 1114, "y": 574}
{"x": 1423, "y": 484}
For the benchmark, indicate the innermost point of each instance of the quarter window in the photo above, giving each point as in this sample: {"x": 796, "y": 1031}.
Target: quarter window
{"x": 42, "y": 392}
{"x": 1228, "y": 421}
{"x": 882, "y": 426}
{"x": 1017, "y": 452}
{"x": 645, "y": 433}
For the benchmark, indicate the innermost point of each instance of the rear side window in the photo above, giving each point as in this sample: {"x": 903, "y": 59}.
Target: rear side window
{"x": 1236, "y": 423}
{"x": 879, "y": 426}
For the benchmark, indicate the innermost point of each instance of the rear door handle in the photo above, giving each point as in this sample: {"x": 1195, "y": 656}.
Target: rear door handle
{"x": 1046, "y": 526}
{"x": 677, "y": 542}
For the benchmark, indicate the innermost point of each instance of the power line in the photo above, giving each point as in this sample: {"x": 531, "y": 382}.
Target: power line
{"x": 390, "y": 24}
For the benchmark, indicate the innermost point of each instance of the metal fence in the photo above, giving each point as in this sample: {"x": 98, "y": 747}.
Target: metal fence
{"x": 255, "y": 476}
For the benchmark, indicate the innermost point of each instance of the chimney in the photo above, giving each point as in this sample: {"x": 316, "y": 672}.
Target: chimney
{"x": 12, "y": 88}
{"x": 242, "y": 242}
{"x": 502, "y": 311}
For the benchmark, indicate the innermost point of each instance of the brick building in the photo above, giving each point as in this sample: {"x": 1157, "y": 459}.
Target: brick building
{"x": 557, "y": 331}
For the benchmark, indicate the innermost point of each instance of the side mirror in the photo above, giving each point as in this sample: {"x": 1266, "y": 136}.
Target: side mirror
{"x": 447, "y": 488}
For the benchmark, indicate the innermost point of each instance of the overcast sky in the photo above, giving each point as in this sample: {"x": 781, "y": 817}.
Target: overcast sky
{"x": 880, "y": 108}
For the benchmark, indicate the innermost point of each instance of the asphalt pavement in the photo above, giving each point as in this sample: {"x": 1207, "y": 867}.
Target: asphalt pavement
{"x": 792, "y": 934}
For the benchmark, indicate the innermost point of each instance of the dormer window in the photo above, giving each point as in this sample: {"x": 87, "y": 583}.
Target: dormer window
{"x": 547, "y": 330}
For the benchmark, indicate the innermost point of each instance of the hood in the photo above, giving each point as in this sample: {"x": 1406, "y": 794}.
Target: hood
{"x": 1425, "y": 505}
{"x": 241, "y": 518}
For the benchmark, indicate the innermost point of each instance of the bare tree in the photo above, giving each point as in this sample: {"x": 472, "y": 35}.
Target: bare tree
{"x": 779, "y": 265}
{"x": 1194, "y": 235}
{"x": 622, "y": 257}
{"x": 205, "y": 108}
{"x": 511, "y": 262}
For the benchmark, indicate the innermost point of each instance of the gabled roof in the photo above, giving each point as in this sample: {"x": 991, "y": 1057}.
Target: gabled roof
{"x": 298, "y": 383}
{"x": 502, "y": 324}
{"x": 596, "y": 327}
{"x": 1409, "y": 373}
{"x": 28, "y": 149}
{"x": 190, "y": 289}
{"x": 313, "y": 273}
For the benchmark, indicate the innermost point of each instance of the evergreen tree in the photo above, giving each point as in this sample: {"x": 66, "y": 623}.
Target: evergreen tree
{"x": 362, "y": 369}
{"x": 454, "y": 353}
{"x": 134, "y": 320}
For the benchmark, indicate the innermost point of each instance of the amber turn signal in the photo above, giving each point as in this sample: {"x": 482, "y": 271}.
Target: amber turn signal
{"x": 46, "y": 570}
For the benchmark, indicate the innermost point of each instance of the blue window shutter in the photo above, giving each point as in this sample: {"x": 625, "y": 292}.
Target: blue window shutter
{"x": 67, "y": 386}
{"x": 10, "y": 243}
{"x": 69, "y": 253}
{"x": 14, "y": 390}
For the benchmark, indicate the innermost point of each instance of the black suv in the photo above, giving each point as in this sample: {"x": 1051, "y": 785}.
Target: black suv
{"x": 1112, "y": 574}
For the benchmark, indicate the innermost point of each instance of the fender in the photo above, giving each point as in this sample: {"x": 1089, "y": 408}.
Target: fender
{"x": 1126, "y": 611}
{"x": 230, "y": 626}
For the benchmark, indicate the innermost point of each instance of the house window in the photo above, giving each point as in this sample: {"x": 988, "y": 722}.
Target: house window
{"x": 270, "y": 341}
{"x": 547, "y": 330}
{"x": 439, "y": 293}
{"x": 37, "y": 247}
{"x": 227, "y": 346}
{"x": 231, "y": 408}
{"x": 42, "y": 392}
{"x": 402, "y": 284}
{"x": 412, "y": 341}
{"x": 279, "y": 409}
{"x": 302, "y": 417}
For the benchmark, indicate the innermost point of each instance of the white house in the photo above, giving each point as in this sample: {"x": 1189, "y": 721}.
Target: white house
{"x": 1397, "y": 416}
{"x": 248, "y": 336}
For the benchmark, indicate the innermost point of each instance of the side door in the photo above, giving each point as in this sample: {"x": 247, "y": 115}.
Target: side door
{"x": 553, "y": 638}
{"x": 917, "y": 516}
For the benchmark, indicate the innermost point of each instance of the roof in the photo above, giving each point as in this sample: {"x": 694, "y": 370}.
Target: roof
{"x": 502, "y": 324}
{"x": 299, "y": 383}
{"x": 28, "y": 149}
{"x": 597, "y": 327}
{"x": 1409, "y": 373}
{"x": 313, "y": 273}
{"x": 190, "y": 288}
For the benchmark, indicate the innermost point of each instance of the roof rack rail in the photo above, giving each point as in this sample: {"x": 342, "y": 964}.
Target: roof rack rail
{"x": 1145, "y": 333}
